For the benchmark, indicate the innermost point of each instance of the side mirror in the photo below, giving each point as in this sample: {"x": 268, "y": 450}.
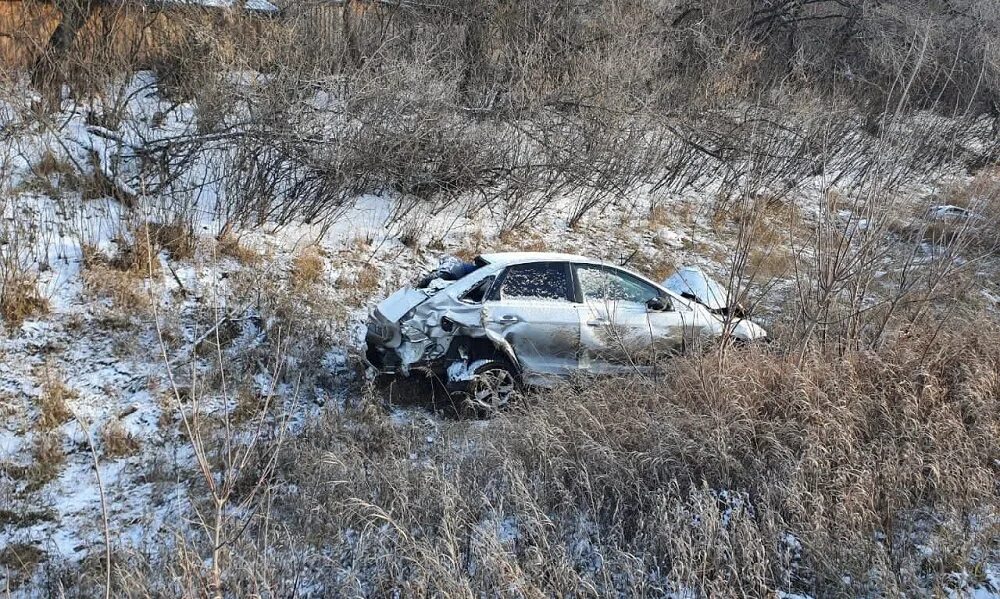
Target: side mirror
{"x": 657, "y": 304}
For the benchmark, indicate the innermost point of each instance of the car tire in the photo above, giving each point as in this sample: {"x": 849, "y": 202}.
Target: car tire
{"x": 491, "y": 388}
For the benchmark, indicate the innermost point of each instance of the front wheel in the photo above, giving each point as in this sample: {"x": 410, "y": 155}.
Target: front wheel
{"x": 491, "y": 387}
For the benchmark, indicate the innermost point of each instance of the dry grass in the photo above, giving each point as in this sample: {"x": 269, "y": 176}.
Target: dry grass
{"x": 474, "y": 244}
{"x": 523, "y": 241}
{"x": 118, "y": 442}
{"x": 7, "y": 405}
{"x": 120, "y": 34}
{"x": 777, "y": 262}
{"x": 307, "y": 268}
{"x": 20, "y": 299}
{"x": 249, "y": 403}
{"x": 366, "y": 283}
{"x": 52, "y": 404}
{"x": 659, "y": 216}
{"x": 368, "y": 278}
{"x": 735, "y": 477}
{"x": 51, "y": 175}
{"x": 48, "y": 458}
{"x": 123, "y": 288}
{"x": 139, "y": 252}
{"x": 676, "y": 214}
{"x": 658, "y": 266}
{"x": 230, "y": 245}
{"x": 176, "y": 238}
{"x": 983, "y": 189}
{"x": 728, "y": 476}
{"x": 49, "y": 165}
{"x": 18, "y": 561}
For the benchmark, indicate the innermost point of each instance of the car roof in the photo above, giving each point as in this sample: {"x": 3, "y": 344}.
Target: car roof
{"x": 506, "y": 258}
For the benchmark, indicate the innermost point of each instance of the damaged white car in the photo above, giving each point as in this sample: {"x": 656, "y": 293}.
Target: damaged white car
{"x": 513, "y": 319}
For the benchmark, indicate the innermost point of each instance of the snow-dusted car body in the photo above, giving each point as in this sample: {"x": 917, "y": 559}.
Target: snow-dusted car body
{"x": 543, "y": 315}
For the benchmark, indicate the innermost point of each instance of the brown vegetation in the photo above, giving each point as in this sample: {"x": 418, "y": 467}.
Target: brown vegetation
{"x": 230, "y": 245}
{"x": 47, "y": 460}
{"x": 749, "y": 475}
{"x": 139, "y": 252}
{"x": 20, "y": 299}
{"x": 52, "y": 404}
{"x": 118, "y": 442}
{"x": 18, "y": 560}
{"x": 124, "y": 289}
{"x": 307, "y": 268}
{"x": 126, "y": 33}
{"x": 824, "y": 464}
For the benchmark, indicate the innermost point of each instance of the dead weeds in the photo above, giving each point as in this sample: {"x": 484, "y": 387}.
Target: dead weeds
{"x": 20, "y": 299}
{"x": 117, "y": 442}
{"x": 307, "y": 268}
{"x": 52, "y": 404}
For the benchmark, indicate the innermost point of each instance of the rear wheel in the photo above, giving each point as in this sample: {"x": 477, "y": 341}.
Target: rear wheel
{"x": 492, "y": 386}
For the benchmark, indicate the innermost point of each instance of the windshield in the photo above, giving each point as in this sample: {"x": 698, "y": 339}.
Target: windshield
{"x": 693, "y": 283}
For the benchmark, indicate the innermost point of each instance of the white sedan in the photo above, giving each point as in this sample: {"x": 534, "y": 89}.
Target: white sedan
{"x": 510, "y": 319}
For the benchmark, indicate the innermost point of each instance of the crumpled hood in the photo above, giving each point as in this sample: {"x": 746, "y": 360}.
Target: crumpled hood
{"x": 398, "y": 304}
{"x": 694, "y": 282}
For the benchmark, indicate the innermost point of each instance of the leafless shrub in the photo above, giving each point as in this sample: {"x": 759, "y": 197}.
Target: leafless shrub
{"x": 20, "y": 296}
{"x": 524, "y": 105}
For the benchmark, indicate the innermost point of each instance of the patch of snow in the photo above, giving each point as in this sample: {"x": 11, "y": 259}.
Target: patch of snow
{"x": 252, "y": 5}
{"x": 464, "y": 370}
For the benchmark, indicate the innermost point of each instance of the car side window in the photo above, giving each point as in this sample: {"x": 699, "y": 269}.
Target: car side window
{"x": 538, "y": 280}
{"x": 605, "y": 284}
{"x": 477, "y": 293}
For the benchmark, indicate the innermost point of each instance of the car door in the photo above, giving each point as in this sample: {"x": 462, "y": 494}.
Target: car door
{"x": 532, "y": 307}
{"x": 619, "y": 331}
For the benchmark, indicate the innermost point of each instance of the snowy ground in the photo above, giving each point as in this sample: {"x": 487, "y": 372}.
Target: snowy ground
{"x": 115, "y": 373}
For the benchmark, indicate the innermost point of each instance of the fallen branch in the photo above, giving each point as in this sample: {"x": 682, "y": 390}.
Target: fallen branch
{"x": 231, "y": 317}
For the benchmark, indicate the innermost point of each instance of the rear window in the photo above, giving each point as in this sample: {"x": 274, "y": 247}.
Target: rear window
{"x": 540, "y": 280}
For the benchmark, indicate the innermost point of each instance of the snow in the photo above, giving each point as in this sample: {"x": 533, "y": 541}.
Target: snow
{"x": 507, "y": 258}
{"x": 252, "y": 5}
{"x": 464, "y": 371}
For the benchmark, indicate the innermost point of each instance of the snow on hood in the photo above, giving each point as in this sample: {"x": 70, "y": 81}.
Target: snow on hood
{"x": 693, "y": 282}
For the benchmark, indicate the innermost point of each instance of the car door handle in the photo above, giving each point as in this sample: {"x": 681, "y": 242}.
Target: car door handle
{"x": 508, "y": 319}
{"x": 599, "y": 322}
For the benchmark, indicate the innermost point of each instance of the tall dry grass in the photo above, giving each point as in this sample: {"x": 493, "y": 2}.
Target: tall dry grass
{"x": 871, "y": 474}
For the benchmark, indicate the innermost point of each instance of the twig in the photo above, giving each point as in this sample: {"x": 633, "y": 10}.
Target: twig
{"x": 231, "y": 317}
{"x": 104, "y": 504}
